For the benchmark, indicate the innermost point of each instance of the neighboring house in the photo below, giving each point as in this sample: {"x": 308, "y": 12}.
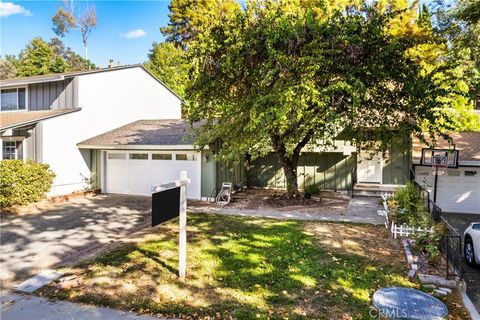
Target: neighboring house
{"x": 43, "y": 118}
{"x": 458, "y": 189}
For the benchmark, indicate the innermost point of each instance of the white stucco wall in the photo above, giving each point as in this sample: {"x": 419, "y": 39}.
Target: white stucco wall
{"x": 108, "y": 100}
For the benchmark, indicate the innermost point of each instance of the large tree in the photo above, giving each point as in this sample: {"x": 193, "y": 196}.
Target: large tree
{"x": 460, "y": 26}
{"x": 284, "y": 76}
{"x": 76, "y": 15}
{"x": 7, "y": 69}
{"x": 75, "y": 61}
{"x": 169, "y": 63}
{"x": 38, "y": 58}
{"x": 190, "y": 19}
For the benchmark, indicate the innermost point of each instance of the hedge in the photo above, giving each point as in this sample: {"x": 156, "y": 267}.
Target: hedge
{"x": 23, "y": 182}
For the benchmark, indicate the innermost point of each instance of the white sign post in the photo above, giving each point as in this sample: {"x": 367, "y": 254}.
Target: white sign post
{"x": 182, "y": 237}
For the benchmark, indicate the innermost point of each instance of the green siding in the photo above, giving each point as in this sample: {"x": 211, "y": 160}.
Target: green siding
{"x": 95, "y": 169}
{"x": 396, "y": 166}
{"x": 328, "y": 170}
{"x": 235, "y": 173}
{"x": 208, "y": 174}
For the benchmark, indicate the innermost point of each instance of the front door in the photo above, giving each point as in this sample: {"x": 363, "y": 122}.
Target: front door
{"x": 369, "y": 167}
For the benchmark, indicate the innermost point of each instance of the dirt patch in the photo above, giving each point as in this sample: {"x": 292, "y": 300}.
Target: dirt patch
{"x": 327, "y": 202}
{"x": 437, "y": 268}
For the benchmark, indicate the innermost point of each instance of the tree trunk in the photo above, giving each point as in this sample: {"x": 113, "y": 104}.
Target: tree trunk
{"x": 290, "y": 170}
{"x": 290, "y": 163}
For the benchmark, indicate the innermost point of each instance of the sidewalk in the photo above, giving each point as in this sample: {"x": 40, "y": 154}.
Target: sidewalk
{"x": 25, "y": 307}
{"x": 359, "y": 210}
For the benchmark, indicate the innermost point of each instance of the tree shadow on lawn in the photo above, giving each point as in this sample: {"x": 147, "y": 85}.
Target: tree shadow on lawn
{"x": 246, "y": 269}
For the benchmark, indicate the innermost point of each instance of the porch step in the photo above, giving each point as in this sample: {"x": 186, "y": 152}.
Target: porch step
{"x": 373, "y": 190}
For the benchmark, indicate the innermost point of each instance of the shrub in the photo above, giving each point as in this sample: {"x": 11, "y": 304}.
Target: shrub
{"x": 23, "y": 182}
{"x": 429, "y": 243}
{"x": 406, "y": 207}
{"x": 312, "y": 189}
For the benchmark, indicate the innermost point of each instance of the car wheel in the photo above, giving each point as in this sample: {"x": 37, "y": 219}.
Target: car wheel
{"x": 469, "y": 252}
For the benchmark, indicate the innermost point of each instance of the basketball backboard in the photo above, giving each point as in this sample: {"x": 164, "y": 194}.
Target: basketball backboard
{"x": 439, "y": 157}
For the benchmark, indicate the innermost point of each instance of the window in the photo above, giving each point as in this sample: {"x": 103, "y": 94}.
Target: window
{"x": 184, "y": 156}
{"x": 117, "y": 156}
{"x": 422, "y": 173}
{"x": 181, "y": 156}
{"x": 12, "y": 150}
{"x": 138, "y": 156}
{"x": 453, "y": 173}
{"x": 470, "y": 173}
{"x": 13, "y": 99}
{"x": 161, "y": 156}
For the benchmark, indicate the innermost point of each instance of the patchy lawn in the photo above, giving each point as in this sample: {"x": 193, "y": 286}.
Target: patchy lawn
{"x": 247, "y": 268}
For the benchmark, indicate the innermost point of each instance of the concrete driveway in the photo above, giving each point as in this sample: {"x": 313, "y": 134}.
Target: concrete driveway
{"x": 460, "y": 222}
{"x": 46, "y": 234}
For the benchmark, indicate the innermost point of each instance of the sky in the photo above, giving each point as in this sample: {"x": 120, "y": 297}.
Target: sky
{"x": 125, "y": 29}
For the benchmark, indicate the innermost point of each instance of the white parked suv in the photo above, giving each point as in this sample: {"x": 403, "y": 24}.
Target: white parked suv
{"x": 471, "y": 248}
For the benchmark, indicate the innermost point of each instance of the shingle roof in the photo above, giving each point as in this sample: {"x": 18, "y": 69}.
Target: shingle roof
{"x": 468, "y": 144}
{"x": 61, "y": 76}
{"x": 14, "y": 119}
{"x": 145, "y": 132}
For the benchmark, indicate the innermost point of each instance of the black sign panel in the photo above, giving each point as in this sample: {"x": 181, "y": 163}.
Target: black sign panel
{"x": 165, "y": 205}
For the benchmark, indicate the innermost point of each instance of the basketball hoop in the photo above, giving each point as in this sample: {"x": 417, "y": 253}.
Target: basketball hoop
{"x": 439, "y": 159}
{"x": 439, "y": 164}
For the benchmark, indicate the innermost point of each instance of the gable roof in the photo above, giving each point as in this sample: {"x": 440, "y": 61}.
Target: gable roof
{"x": 468, "y": 144}
{"x": 170, "y": 132}
{"x": 66, "y": 75}
{"x": 15, "y": 119}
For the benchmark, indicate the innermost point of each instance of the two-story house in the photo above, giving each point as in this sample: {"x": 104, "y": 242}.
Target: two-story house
{"x": 117, "y": 129}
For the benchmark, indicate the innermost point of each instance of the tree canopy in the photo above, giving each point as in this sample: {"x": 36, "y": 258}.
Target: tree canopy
{"x": 286, "y": 75}
{"x": 169, "y": 63}
{"x": 75, "y": 15}
{"x": 40, "y": 57}
{"x": 7, "y": 69}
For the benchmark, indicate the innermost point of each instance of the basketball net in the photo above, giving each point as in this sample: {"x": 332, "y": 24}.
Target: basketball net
{"x": 439, "y": 164}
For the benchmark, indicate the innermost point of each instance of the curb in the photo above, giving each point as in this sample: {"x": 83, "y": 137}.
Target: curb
{"x": 462, "y": 288}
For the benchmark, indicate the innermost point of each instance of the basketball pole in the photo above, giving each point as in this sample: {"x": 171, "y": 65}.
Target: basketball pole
{"x": 435, "y": 186}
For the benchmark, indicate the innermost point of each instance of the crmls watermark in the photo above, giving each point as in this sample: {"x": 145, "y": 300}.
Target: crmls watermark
{"x": 388, "y": 313}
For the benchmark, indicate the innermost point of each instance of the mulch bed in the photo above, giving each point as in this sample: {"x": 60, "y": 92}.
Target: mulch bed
{"x": 327, "y": 202}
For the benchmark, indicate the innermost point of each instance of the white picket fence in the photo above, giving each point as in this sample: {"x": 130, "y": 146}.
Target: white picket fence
{"x": 407, "y": 230}
{"x": 384, "y": 212}
{"x": 395, "y": 229}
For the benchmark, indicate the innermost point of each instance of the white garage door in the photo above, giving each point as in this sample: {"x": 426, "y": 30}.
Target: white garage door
{"x": 458, "y": 190}
{"x": 136, "y": 172}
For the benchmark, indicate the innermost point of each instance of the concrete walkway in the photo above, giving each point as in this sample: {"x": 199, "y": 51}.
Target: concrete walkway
{"x": 25, "y": 307}
{"x": 359, "y": 210}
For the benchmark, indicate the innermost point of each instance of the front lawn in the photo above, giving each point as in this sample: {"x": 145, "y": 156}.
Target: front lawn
{"x": 247, "y": 268}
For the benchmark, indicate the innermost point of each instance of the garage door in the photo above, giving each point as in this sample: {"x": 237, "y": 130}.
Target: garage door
{"x": 458, "y": 190}
{"x": 136, "y": 172}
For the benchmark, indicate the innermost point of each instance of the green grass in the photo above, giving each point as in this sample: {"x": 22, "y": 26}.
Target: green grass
{"x": 246, "y": 268}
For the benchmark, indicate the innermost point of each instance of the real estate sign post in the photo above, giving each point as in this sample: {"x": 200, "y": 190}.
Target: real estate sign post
{"x": 169, "y": 200}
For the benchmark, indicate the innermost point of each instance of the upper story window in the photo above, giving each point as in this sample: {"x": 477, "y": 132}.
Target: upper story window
{"x": 13, "y": 99}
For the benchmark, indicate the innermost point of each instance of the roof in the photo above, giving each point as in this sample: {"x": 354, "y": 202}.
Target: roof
{"x": 171, "y": 132}
{"x": 15, "y": 119}
{"x": 66, "y": 75}
{"x": 468, "y": 144}
{"x": 60, "y": 76}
